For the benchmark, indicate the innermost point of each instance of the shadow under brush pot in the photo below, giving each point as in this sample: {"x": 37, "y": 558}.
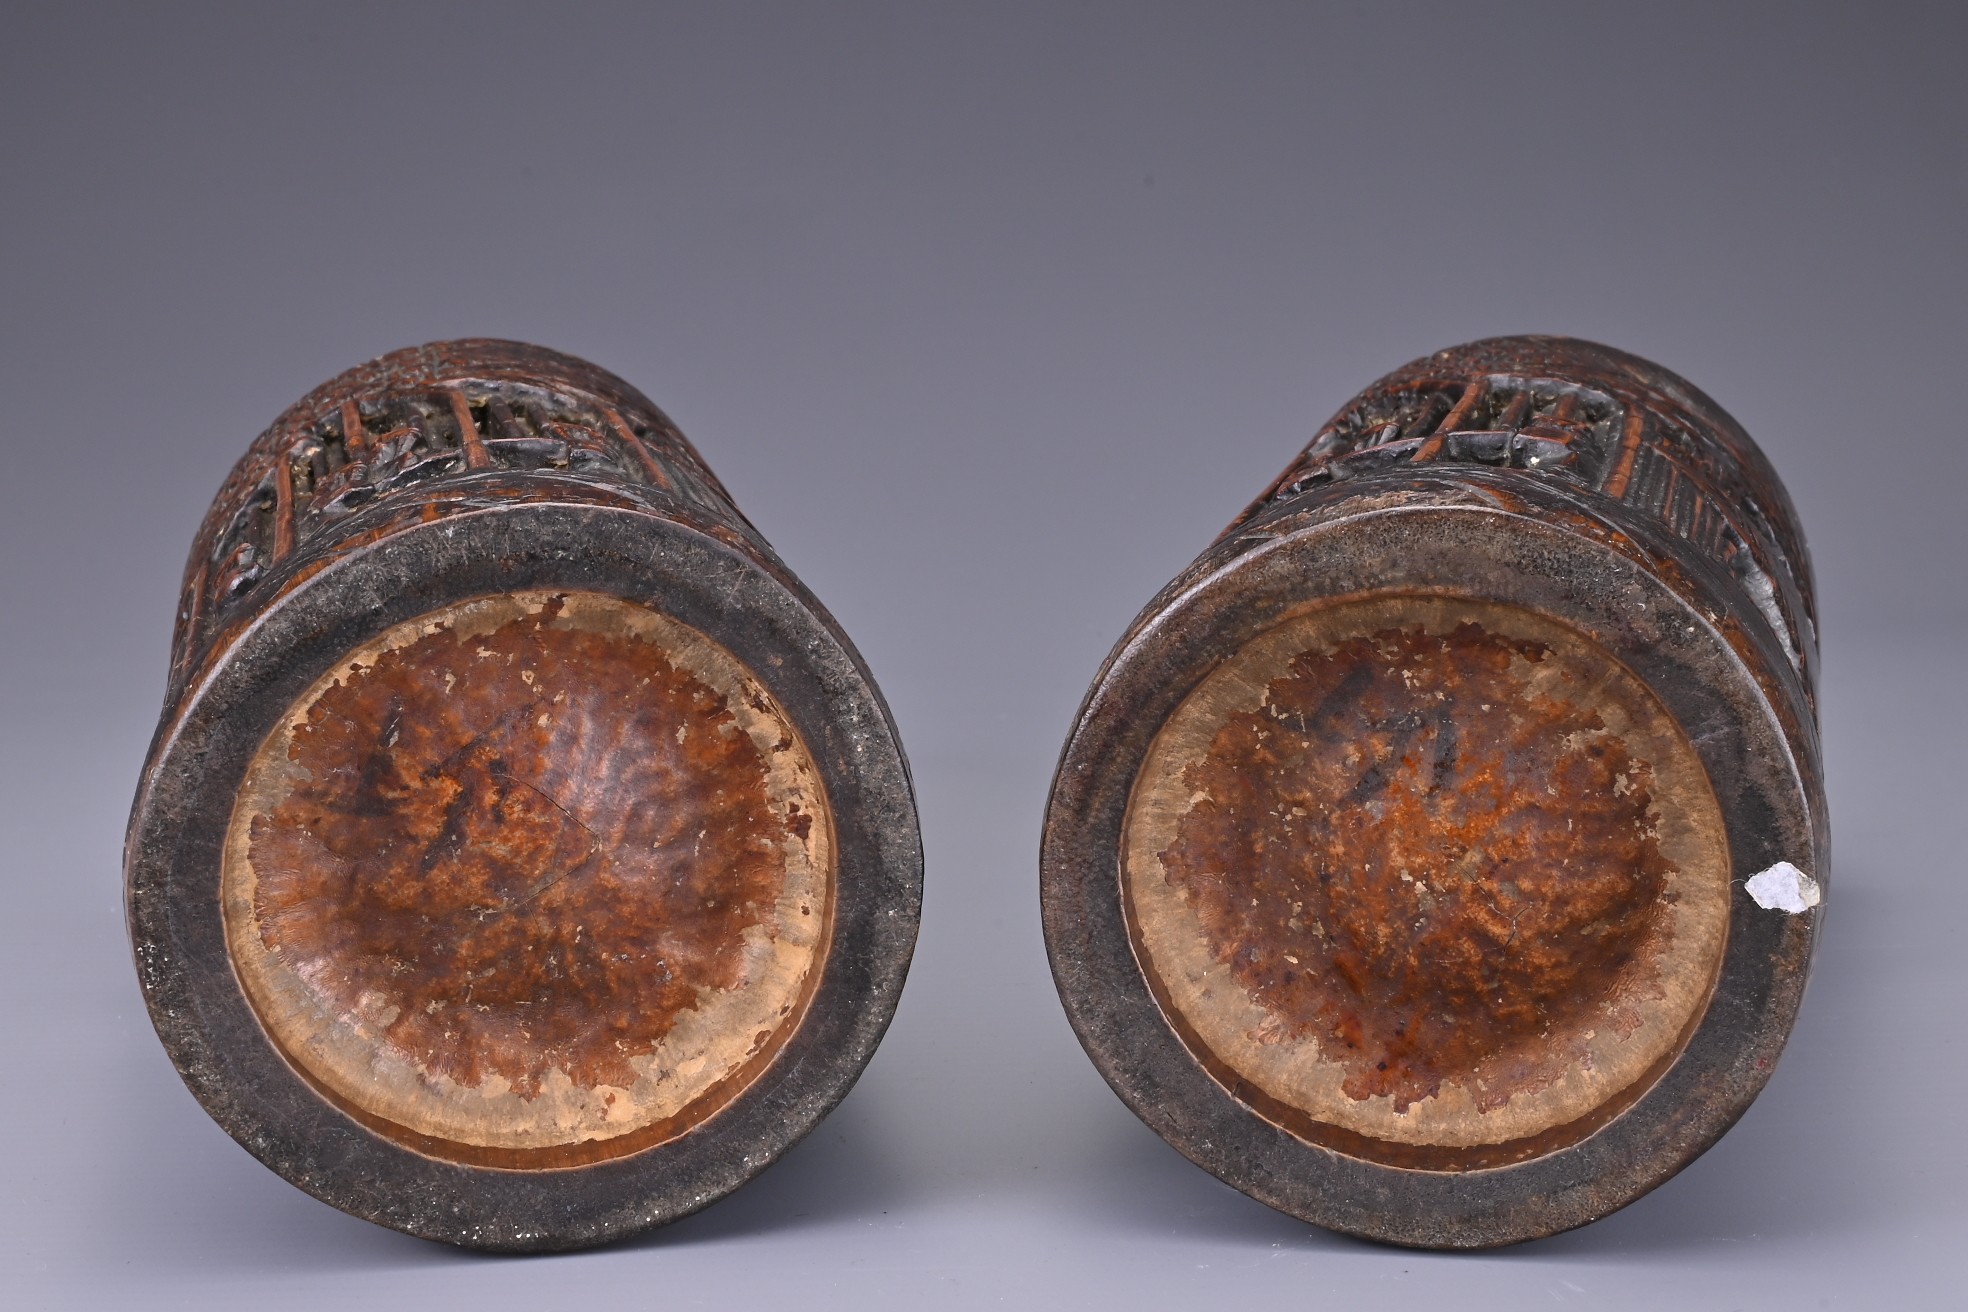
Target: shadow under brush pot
{"x": 525, "y": 858}
{"x": 1438, "y": 859}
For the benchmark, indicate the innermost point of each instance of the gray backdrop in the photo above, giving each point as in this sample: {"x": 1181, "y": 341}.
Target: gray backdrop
{"x": 990, "y": 316}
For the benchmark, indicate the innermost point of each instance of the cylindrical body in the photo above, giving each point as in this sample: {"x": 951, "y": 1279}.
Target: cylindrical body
{"x": 524, "y": 858}
{"x": 1439, "y": 857}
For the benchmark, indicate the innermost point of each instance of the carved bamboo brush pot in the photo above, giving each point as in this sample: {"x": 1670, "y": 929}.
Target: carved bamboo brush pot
{"x": 524, "y": 858}
{"x": 1438, "y": 858}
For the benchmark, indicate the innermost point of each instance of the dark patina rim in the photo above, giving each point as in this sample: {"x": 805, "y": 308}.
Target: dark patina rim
{"x": 184, "y": 803}
{"x": 1237, "y": 591}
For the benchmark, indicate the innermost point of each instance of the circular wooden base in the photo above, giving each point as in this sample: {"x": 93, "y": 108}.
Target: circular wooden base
{"x": 1393, "y": 870}
{"x": 531, "y": 880}
{"x": 1433, "y": 881}
{"x": 531, "y": 875}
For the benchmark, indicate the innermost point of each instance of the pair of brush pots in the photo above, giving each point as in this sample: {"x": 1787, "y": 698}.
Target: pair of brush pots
{"x": 525, "y": 858}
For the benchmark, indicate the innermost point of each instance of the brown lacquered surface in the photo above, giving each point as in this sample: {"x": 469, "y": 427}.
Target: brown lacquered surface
{"x": 1422, "y": 875}
{"x": 533, "y": 880}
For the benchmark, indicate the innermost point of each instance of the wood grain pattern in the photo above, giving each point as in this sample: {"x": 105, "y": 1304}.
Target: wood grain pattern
{"x": 533, "y": 872}
{"x": 1432, "y": 872}
{"x": 525, "y": 858}
{"x": 1392, "y": 869}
